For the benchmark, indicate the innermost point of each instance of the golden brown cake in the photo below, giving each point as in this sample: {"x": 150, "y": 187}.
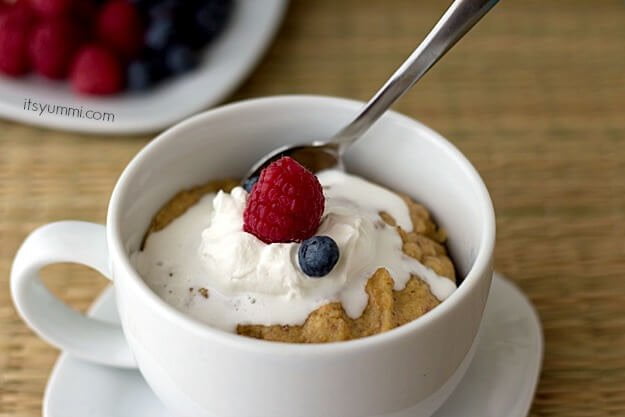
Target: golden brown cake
{"x": 386, "y": 308}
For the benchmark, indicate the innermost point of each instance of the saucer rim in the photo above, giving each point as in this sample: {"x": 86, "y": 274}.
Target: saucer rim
{"x": 525, "y": 401}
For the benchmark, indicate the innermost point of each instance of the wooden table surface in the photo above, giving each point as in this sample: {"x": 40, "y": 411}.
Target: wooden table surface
{"x": 535, "y": 97}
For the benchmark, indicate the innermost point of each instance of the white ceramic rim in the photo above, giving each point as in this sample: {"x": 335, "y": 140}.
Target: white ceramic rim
{"x": 118, "y": 253}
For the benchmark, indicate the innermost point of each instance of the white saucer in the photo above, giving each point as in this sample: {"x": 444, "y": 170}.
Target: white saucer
{"x": 225, "y": 65}
{"x": 500, "y": 382}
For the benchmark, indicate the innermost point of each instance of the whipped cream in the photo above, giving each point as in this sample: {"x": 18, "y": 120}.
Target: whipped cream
{"x": 251, "y": 282}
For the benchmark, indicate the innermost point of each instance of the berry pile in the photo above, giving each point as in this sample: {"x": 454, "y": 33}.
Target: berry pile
{"x": 285, "y": 205}
{"x": 175, "y": 30}
{"x": 104, "y": 46}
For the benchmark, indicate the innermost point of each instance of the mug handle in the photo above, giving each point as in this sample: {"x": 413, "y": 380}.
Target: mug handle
{"x": 84, "y": 337}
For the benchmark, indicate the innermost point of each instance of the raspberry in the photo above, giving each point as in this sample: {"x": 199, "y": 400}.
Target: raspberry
{"x": 84, "y": 12}
{"x": 20, "y": 12}
{"x": 119, "y": 26}
{"x": 82, "y": 16}
{"x": 285, "y": 205}
{"x": 52, "y": 8}
{"x": 14, "y": 37}
{"x": 52, "y": 47}
{"x": 96, "y": 71}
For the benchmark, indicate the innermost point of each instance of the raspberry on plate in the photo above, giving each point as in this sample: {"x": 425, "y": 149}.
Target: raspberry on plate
{"x": 285, "y": 205}
{"x": 20, "y": 12}
{"x": 14, "y": 39}
{"x": 96, "y": 71}
{"x": 119, "y": 26}
{"x": 52, "y": 47}
{"x": 52, "y": 8}
{"x": 84, "y": 13}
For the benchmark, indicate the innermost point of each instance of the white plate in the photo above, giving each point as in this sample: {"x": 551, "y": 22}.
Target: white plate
{"x": 500, "y": 382}
{"x": 225, "y": 64}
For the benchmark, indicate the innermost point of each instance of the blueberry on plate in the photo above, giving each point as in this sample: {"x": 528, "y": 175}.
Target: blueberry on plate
{"x": 180, "y": 59}
{"x": 212, "y": 17}
{"x": 165, "y": 9}
{"x": 160, "y": 34}
{"x": 141, "y": 74}
{"x": 318, "y": 255}
{"x": 142, "y": 5}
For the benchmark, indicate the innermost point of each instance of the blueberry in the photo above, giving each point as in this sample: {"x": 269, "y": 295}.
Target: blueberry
{"x": 165, "y": 9}
{"x": 142, "y": 5}
{"x": 318, "y": 255}
{"x": 141, "y": 74}
{"x": 180, "y": 58}
{"x": 211, "y": 18}
{"x": 250, "y": 183}
{"x": 157, "y": 63}
{"x": 160, "y": 34}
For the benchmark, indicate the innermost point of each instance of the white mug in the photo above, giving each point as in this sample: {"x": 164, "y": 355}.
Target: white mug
{"x": 198, "y": 371}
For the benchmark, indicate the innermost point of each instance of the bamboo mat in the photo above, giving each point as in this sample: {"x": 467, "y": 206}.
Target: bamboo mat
{"x": 535, "y": 97}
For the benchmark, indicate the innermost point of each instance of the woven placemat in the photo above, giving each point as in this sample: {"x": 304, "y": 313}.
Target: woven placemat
{"x": 535, "y": 97}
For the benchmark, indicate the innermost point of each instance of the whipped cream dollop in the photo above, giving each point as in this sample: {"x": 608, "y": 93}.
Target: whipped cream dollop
{"x": 246, "y": 281}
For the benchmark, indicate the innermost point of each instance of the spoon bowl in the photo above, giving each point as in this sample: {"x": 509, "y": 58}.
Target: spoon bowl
{"x": 316, "y": 157}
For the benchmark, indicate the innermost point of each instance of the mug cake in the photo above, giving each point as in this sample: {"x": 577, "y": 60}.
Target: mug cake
{"x": 295, "y": 257}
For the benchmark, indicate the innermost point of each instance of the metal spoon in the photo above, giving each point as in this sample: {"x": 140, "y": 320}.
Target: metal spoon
{"x": 461, "y": 16}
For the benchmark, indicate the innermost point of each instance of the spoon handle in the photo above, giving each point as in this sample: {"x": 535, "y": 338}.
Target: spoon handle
{"x": 461, "y": 16}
